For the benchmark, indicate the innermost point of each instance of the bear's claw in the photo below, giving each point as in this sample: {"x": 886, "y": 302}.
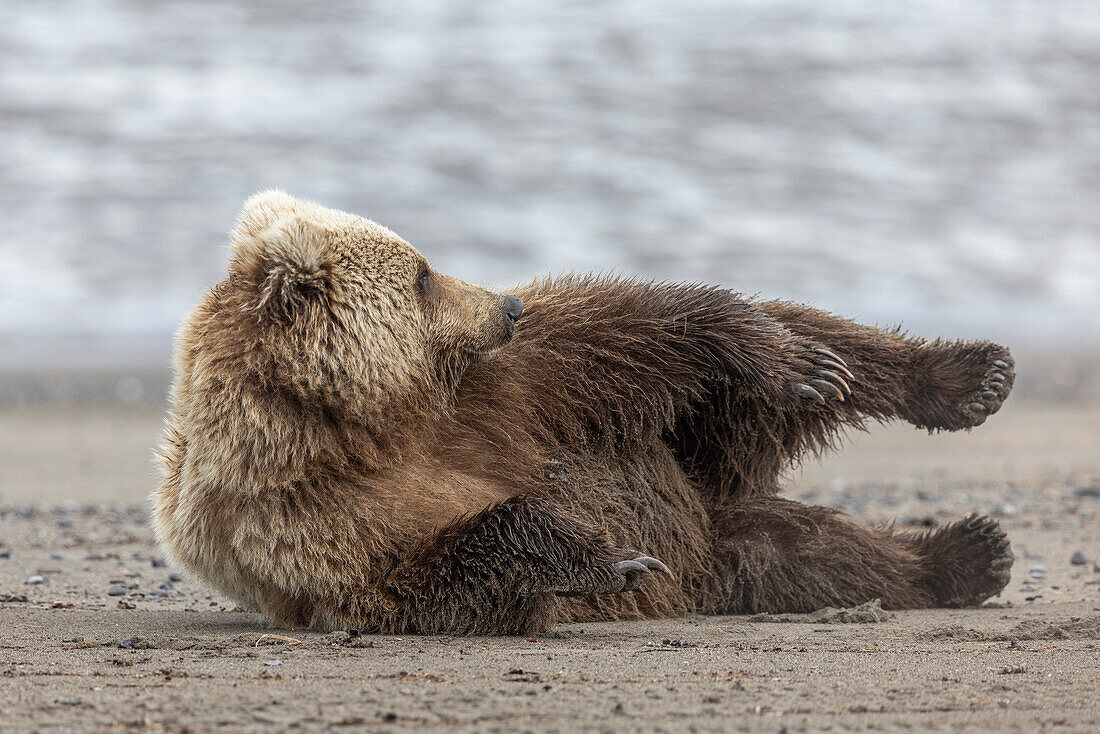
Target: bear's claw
{"x": 826, "y": 379}
{"x": 625, "y": 575}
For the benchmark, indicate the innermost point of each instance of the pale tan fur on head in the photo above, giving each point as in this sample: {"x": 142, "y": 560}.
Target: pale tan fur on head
{"x": 327, "y": 324}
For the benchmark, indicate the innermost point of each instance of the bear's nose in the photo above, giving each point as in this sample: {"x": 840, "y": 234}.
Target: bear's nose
{"x": 513, "y": 308}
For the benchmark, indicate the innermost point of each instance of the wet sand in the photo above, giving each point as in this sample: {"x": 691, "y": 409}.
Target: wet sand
{"x": 113, "y": 640}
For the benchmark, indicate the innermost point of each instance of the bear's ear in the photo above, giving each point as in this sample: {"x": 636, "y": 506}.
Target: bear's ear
{"x": 283, "y": 253}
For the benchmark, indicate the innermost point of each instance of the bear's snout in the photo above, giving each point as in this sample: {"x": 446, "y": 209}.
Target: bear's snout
{"x": 513, "y": 308}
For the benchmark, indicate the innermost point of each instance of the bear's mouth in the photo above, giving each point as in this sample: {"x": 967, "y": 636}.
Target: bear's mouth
{"x": 481, "y": 353}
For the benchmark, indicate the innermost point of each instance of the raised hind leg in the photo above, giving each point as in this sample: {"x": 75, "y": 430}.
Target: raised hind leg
{"x": 938, "y": 385}
{"x": 775, "y": 555}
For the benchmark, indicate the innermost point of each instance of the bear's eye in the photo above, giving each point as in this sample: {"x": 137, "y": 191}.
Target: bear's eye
{"x": 425, "y": 279}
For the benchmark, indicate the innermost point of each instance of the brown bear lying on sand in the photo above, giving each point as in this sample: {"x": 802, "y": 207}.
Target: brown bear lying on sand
{"x": 356, "y": 440}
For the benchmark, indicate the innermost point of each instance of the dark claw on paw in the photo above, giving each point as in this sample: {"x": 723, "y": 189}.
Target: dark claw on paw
{"x": 828, "y": 387}
{"x": 976, "y": 521}
{"x": 836, "y": 367}
{"x": 809, "y": 393}
{"x": 989, "y": 394}
{"x": 976, "y": 408}
{"x": 654, "y": 565}
{"x": 837, "y": 379}
{"x": 996, "y": 376}
{"x": 628, "y": 566}
{"x": 830, "y": 355}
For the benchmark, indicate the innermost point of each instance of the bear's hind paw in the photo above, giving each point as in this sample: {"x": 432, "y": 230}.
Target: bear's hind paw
{"x": 972, "y": 561}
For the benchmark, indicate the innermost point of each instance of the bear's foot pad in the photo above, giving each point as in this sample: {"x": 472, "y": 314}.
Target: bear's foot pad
{"x": 993, "y": 389}
{"x": 972, "y": 561}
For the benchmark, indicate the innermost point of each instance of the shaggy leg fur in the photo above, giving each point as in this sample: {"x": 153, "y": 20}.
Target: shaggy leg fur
{"x": 781, "y": 556}
{"x": 494, "y": 572}
{"x": 938, "y": 385}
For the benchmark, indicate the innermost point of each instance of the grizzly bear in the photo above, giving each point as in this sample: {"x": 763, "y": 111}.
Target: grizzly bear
{"x": 358, "y": 441}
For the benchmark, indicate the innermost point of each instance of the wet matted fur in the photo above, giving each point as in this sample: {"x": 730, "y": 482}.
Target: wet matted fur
{"x": 357, "y": 441}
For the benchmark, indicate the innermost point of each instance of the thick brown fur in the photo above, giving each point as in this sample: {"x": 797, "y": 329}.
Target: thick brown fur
{"x": 357, "y": 441}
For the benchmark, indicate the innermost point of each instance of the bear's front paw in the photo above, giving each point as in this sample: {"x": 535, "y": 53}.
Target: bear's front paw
{"x": 608, "y": 578}
{"x": 826, "y": 377}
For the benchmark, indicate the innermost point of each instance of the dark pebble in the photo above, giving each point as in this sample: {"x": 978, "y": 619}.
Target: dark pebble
{"x": 157, "y": 562}
{"x": 160, "y": 592}
{"x": 1092, "y": 491}
{"x": 126, "y": 643}
{"x": 1078, "y": 558}
{"x": 5, "y": 553}
{"x": 116, "y": 591}
{"x": 167, "y": 585}
{"x": 174, "y": 577}
{"x": 78, "y": 638}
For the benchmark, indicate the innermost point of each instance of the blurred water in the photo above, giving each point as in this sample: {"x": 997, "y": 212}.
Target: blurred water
{"x": 912, "y": 161}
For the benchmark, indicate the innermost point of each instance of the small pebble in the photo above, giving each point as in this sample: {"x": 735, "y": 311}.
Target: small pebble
{"x": 57, "y": 556}
{"x": 1029, "y": 587}
{"x": 175, "y": 577}
{"x": 1038, "y": 571}
{"x": 160, "y": 593}
{"x": 157, "y": 562}
{"x": 167, "y": 585}
{"x": 126, "y": 643}
{"x": 5, "y": 553}
{"x": 273, "y": 662}
{"x": 1078, "y": 558}
{"x": 35, "y": 580}
{"x": 1096, "y": 566}
{"x": 116, "y": 591}
{"x": 78, "y": 638}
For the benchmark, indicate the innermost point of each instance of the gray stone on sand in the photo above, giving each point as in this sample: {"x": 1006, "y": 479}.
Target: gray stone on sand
{"x": 116, "y": 591}
{"x": 1078, "y": 558}
{"x": 36, "y": 580}
{"x": 1038, "y": 571}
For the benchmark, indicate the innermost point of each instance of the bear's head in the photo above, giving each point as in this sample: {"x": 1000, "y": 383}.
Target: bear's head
{"x": 328, "y": 318}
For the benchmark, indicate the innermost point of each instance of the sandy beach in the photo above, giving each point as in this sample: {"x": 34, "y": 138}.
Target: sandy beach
{"x": 112, "y": 639}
